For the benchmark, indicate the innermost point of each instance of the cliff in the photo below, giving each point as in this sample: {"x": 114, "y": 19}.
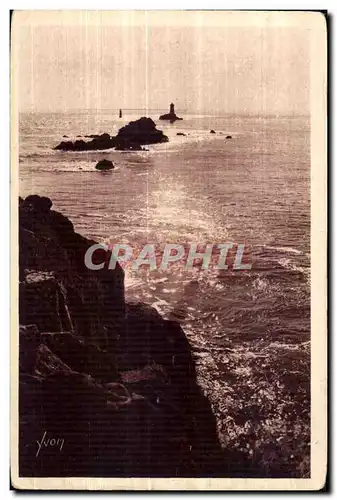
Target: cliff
{"x": 112, "y": 381}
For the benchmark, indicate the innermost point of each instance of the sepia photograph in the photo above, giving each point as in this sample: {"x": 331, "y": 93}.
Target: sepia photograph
{"x": 168, "y": 205}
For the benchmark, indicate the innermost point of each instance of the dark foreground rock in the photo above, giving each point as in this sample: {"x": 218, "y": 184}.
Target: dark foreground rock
{"x": 229, "y": 137}
{"x": 212, "y": 131}
{"x": 104, "y": 165}
{"x": 110, "y": 387}
{"x": 130, "y": 137}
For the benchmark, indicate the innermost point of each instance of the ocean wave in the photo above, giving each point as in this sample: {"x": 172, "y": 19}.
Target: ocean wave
{"x": 286, "y": 249}
{"x": 31, "y": 156}
{"x": 288, "y": 264}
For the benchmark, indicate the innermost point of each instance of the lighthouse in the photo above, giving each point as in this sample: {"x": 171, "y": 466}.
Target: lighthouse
{"x": 171, "y": 116}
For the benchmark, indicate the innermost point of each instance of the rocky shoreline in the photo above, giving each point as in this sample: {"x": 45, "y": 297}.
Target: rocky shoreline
{"x": 112, "y": 381}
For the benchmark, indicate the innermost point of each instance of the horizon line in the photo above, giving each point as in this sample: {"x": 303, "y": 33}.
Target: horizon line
{"x": 198, "y": 112}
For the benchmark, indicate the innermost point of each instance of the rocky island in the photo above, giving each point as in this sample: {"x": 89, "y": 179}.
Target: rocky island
{"x": 171, "y": 116}
{"x": 111, "y": 382}
{"x": 104, "y": 165}
{"x": 130, "y": 137}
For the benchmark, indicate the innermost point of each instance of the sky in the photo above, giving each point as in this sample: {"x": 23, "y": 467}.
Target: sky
{"x": 252, "y": 68}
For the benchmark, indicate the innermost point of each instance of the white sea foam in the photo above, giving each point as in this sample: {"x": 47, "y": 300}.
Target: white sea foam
{"x": 285, "y": 249}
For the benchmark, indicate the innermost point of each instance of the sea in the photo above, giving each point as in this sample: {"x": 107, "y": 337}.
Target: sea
{"x": 249, "y": 330}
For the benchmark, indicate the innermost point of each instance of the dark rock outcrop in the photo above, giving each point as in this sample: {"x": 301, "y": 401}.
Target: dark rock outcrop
{"x": 113, "y": 382}
{"x": 29, "y": 341}
{"x": 129, "y": 137}
{"x": 181, "y": 133}
{"x": 104, "y": 165}
{"x": 229, "y": 137}
{"x": 139, "y": 132}
{"x": 99, "y": 142}
{"x": 57, "y": 292}
{"x": 81, "y": 355}
{"x": 170, "y": 117}
{"x": 212, "y": 131}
